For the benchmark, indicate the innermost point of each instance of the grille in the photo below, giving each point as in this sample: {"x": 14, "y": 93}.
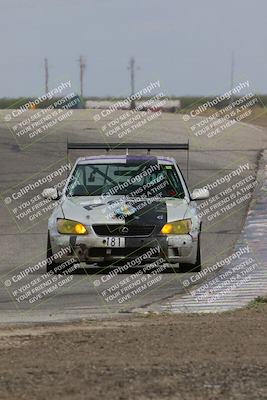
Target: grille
{"x": 123, "y": 230}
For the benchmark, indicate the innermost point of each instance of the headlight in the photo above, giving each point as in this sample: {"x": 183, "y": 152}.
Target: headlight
{"x": 181, "y": 227}
{"x": 66, "y": 226}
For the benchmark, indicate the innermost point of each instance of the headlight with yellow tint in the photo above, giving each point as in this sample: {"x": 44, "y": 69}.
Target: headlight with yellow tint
{"x": 181, "y": 227}
{"x": 68, "y": 227}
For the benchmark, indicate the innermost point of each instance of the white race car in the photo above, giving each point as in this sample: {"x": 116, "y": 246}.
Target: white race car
{"x": 116, "y": 209}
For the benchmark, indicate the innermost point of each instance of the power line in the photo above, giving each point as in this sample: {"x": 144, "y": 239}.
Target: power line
{"x": 232, "y": 75}
{"x": 131, "y": 67}
{"x": 82, "y": 64}
{"x": 46, "y": 74}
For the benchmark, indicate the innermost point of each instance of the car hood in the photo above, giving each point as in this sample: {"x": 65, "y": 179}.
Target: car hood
{"x": 115, "y": 209}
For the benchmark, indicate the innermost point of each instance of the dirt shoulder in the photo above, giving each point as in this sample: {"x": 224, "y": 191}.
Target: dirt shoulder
{"x": 157, "y": 357}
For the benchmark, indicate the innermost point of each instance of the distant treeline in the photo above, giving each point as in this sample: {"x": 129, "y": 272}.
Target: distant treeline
{"x": 186, "y": 101}
{"x": 191, "y": 101}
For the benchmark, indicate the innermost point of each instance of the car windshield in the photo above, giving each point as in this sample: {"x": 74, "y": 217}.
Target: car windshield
{"x": 133, "y": 180}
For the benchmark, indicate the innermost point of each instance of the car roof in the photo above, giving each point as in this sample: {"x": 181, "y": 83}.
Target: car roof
{"x": 125, "y": 159}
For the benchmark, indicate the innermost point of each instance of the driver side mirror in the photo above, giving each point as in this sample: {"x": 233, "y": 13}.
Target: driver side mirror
{"x": 51, "y": 193}
{"x": 200, "y": 194}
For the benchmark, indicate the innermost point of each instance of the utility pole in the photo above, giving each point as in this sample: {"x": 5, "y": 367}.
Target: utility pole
{"x": 132, "y": 73}
{"x": 82, "y": 64}
{"x": 46, "y": 74}
{"x": 232, "y": 75}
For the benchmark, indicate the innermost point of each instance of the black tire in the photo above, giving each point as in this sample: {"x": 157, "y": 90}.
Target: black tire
{"x": 53, "y": 267}
{"x": 50, "y": 267}
{"x": 193, "y": 267}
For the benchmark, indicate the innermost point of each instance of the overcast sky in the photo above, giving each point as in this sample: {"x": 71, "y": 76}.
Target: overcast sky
{"x": 187, "y": 45}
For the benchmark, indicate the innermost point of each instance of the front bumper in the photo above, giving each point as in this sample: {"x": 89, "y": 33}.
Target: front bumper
{"x": 93, "y": 249}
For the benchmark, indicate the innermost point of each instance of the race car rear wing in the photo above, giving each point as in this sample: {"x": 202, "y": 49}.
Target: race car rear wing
{"x": 127, "y": 146}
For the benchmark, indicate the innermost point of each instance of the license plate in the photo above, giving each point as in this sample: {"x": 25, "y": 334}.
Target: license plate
{"x": 115, "y": 242}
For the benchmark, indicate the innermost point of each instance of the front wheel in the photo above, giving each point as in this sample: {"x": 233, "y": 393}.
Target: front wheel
{"x": 51, "y": 266}
{"x": 192, "y": 267}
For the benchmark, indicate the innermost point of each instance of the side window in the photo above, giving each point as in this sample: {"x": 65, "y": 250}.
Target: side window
{"x": 173, "y": 180}
{"x": 77, "y": 179}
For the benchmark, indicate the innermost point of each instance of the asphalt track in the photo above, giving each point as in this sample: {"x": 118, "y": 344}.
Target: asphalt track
{"x": 210, "y": 159}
